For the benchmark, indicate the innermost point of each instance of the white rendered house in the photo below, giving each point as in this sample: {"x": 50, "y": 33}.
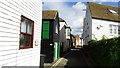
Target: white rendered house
{"x": 20, "y": 32}
{"x": 101, "y": 20}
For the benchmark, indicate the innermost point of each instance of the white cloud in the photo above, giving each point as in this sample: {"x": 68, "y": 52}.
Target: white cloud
{"x": 73, "y": 15}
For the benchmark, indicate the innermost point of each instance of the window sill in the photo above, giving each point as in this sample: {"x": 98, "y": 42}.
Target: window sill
{"x": 24, "y": 48}
{"x": 114, "y": 35}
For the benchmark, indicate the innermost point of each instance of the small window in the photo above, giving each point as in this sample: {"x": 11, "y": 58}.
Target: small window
{"x": 110, "y": 29}
{"x": 87, "y": 23}
{"x": 88, "y": 36}
{"x": 56, "y": 29}
{"x": 26, "y": 33}
{"x": 113, "y": 11}
{"x": 115, "y": 29}
{"x": 68, "y": 31}
{"x": 88, "y": 27}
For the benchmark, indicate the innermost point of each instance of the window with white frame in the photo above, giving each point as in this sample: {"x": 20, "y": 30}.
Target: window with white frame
{"x": 114, "y": 29}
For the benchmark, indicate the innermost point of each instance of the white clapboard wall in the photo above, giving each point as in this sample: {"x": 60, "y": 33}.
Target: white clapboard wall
{"x": 10, "y": 16}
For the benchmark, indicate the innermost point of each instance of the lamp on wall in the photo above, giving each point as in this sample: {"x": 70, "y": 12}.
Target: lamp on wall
{"x": 98, "y": 27}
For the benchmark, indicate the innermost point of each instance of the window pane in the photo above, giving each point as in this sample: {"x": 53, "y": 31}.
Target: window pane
{"x": 68, "y": 32}
{"x": 56, "y": 29}
{"x": 29, "y": 27}
{"x": 118, "y": 29}
{"x": 28, "y": 40}
{"x": 22, "y": 40}
{"x": 115, "y": 29}
{"x": 23, "y": 27}
{"x": 110, "y": 29}
{"x": 110, "y": 26}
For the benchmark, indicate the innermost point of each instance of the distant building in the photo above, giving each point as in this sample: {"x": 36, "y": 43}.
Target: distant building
{"x": 77, "y": 41}
{"x": 50, "y": 35}
{"x": 101, "y": 21}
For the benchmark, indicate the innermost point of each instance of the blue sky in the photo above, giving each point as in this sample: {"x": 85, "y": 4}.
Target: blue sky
{"x": 112, "y": 4}
{"x": 105, "y": 3}
{"x": 72, "y": 12}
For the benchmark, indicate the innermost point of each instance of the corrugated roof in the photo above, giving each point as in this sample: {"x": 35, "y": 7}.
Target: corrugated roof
{"x": 102, "y": 11}
{"x": 49, "y": 14}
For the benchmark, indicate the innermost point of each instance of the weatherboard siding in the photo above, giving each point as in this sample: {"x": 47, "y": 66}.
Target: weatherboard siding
{"x": 10, "y": 16}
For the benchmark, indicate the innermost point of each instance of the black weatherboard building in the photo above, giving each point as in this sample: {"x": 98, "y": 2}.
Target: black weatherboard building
{"x": 50, "y": 35}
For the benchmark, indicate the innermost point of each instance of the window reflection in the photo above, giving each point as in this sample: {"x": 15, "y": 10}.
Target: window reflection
{"x": 29, "y": 27}
{"x": 22, "y": 38}
{"x": 28, "y": 40}
{"x": 23, "y": 28}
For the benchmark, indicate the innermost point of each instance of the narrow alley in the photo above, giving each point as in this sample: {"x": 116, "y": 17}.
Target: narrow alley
{"x": 59, "y": 34}
{"x": 73, "y": 59}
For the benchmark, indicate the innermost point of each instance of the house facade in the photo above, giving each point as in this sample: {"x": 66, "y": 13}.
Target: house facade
{"x": 65, "y": 32}
{"x": 77, "y": 41}
{"x": 20, "y": 32}
{"x": 50, "y": 35}
{"x": 101, "y": 21}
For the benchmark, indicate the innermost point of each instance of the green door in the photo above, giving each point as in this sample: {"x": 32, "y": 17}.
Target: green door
{"x": 46, "y": 29}
{"x": 56, "y": 50}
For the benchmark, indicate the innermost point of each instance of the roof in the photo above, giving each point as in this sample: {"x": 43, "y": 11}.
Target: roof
{"x": 49, "y": 14}
{"x": 76, "y": 36}
{"x": 61, "y": 20}
{"x": 68, "y": 27}
{"x": 102, "y": 11}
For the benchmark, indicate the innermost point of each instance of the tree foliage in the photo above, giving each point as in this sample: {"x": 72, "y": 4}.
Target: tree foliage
{"x": 105, "y": 52}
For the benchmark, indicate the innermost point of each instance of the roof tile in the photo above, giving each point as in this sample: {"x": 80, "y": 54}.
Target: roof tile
{"x": 49, "y": 14}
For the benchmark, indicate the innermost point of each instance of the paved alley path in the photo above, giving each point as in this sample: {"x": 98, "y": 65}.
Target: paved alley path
{"x": 75, "y": 59}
